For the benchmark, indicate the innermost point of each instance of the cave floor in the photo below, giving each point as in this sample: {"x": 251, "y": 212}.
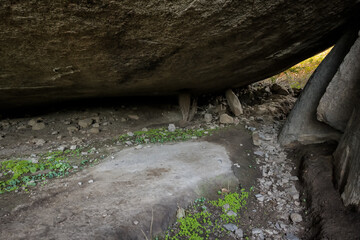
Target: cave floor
{"x": 115, "y": 189}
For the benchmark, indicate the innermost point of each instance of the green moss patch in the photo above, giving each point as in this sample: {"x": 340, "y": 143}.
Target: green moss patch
{"x": 22, "y": 174}
{"x": 162, "y": 135}
{"x": 206, "y": 219}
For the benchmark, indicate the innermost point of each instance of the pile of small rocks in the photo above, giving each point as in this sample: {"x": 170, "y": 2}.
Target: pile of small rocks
{"x": 277, "y": 186}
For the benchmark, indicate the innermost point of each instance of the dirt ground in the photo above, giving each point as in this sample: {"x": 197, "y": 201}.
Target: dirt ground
{"x": 59, "y": 207}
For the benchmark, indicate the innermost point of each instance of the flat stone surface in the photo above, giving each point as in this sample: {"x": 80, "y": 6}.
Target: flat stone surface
{"x": 130, "y": 184}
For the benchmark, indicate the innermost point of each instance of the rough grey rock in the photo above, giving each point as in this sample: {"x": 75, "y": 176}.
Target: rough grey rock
{"x": 256, "y": 139}
{"x": 239, "y": 233}
{"x": 208, "y": 117}
{"x": 94, "y": 130}
{"x": 279, "y": 89}
{"x": 226, "y": 119}
{"x": 39, "y": 142}
{"x": 230, "y": 227}
{"x": 291, "y": 236}
{"x": 112, "y": 48}
{"x": 258, "y": 233}
{"x": 38, "y": 126}
{"x": 233, "y": 102}
{"x": 171, "y": 128}
{"x": 84, "y": 123}
{"x": 296, "y": 218}
{"x": 72, "y": 129}
{"x": 337, "y": 104}
{"x": 259, "y": 197}
{"x": 231, "y": 213}
{"x": 347, "y": 161}
{"x": 301, "y": 125}
{"x": 133, "y": 117}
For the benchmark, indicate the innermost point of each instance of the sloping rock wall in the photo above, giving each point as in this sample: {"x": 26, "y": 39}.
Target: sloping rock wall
{"x": 301, "y": 126}
{"x": 347, "y": 161}
{"x": 56, "y": 50}
{"x": 337, "y": 104}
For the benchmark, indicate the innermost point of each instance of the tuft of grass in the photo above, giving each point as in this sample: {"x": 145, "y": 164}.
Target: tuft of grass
{"x": 162, "y": 135}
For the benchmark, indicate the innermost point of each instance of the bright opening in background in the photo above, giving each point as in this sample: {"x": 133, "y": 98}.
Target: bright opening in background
{"x": 298, "y": 75}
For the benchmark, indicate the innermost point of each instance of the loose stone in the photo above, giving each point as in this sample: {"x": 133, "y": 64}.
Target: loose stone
{"x": 296, "y": 218}
{"x": 230, "y": 227}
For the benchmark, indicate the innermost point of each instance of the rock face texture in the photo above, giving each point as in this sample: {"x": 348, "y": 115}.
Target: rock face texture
{"x": 56, "y": 50}
{"x": 302, "y": 126}
{"x": 337, "y": 104}
{"x": 347, "y": 161}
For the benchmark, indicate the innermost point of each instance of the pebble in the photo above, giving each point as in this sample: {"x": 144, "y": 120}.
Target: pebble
{"x": 34, "y": 160}
{"x": 230, "y": 227}
{"x": 38, "y": 126}
{"x": 239, "y": 233}
{"x": 226, "y": 206}
{"x": 256, "y": 139}
{"x": 180, "y": 213}
{"x": 79, "y": 183}
{"x": 296, "y": 218}
{"x": 171, "y": 128}
{"x": 54, "y": 133}
{"x": 133, "y": 117}
{"x": 73, "y": 147}
{"x": 258, "y": 233}
{"x": 259, "y": 153}
{"x": 72, "y": 129}
{"x": 90, "y": 181}
{"x": 136, "y": 222}
{"x": 208, "y": 117}
{"x": 138, "y": 147}
{"x": 84, "y": 123}
{"x": 231, "y": 213}
{"x": 291, "y": 236}
{"x": 226, "y": 119}
{"x": 61, "y": 148}
{"x": 39, "y": 142}
{"x": 130, "y": 134}
{"x": 259, "y": 197}
{"x": 94, "y": 130}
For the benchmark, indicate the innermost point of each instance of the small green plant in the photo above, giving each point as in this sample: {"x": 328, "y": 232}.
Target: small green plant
{"x": 162, "y": 135}
{"x": 21, "y": 174}
{"x": 205, "y": 218}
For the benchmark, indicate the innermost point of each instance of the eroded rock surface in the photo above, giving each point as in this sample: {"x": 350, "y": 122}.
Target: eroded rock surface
{"x": 302, "y": 125}
{"x": 337, "y": 104}
{"x": 74, "y": 49}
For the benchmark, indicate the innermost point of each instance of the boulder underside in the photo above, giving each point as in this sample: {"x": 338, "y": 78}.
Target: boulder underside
{"x": 56, "y": 50}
